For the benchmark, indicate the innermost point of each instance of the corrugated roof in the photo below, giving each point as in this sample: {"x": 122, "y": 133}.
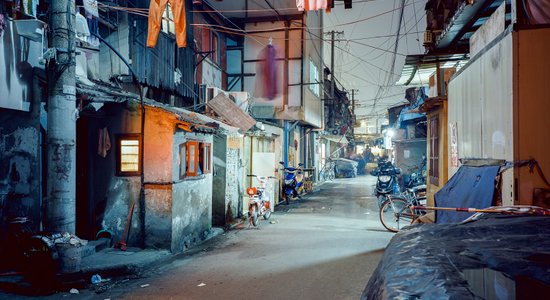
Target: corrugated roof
{"x": 101, "y": 92}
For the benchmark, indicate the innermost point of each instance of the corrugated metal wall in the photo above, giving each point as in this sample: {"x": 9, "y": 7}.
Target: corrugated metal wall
{"x": 481, "y": 103}
{"x": 156, "y": 67}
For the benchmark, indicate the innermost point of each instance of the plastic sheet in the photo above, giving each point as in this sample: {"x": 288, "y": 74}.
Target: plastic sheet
{"x": 426, "y": 261}
{"x": 469, "y": 187}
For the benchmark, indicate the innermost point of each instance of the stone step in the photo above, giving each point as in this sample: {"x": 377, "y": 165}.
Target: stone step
{"x": 95, "y": 246}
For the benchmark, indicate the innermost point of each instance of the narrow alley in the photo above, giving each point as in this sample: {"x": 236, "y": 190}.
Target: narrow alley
{"x": 324, "y": 247}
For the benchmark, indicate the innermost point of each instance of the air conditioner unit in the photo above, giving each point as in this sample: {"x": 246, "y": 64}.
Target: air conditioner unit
{"x": 240, "y": 98}
{"x": 212, "y": 92}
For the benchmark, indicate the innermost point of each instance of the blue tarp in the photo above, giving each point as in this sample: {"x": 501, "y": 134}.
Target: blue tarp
{"x": 471, "y": 186}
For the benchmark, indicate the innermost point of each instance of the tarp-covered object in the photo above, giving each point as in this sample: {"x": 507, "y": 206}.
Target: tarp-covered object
{"x": 428, "y": 261}
{"x": 471, "y": 186}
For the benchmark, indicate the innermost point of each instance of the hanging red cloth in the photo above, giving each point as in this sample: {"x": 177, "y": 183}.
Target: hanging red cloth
{"x": 311, "y": 4}
{"x": 267, "y": 83}
{"x": 156, "y": 10}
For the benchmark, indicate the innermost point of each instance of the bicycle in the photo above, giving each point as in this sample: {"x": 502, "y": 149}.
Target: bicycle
{"x": 327, "y": 172}
{"x": 397, "y": 212}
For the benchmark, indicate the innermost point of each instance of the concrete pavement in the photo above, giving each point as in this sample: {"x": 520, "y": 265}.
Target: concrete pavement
{"x": 324, "y": 247}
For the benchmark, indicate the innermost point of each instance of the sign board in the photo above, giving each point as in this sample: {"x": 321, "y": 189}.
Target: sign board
{"x": 453, "y": 134}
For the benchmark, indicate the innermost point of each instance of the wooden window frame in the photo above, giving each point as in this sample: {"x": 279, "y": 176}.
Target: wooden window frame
{"x": 182, "y": 156}
{"x": 206, "y": 152}
{"x": 192, "y": 158}
{"x": 434, "y": 150}
{"x": 191, "y": 161}
{"x": 119, "y": 139}
{"x": 215, "y": 47}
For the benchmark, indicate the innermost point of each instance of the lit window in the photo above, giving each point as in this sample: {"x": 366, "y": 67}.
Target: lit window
{"x": 128, "y": 159}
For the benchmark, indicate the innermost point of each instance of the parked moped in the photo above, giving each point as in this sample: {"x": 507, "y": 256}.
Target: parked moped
{"x": 259, "y": 204}
{"x": 293, "y": 182}
{"x": 387, "y": 183}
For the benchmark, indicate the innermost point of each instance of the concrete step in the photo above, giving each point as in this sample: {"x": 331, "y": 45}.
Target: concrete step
{"x": 95, "y": 246}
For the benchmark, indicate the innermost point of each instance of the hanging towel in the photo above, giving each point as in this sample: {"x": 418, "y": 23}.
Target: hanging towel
{"x": 156, "y": 10}
{"x": 104, "y": 143}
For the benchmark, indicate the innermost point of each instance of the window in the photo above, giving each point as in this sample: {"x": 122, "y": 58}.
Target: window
{"x": 215, "y": 48}
{"x": 314, "y": 78}
{"x": 434, "y": 150}
{"x": 168, "y": 25}
{"x": 195, "y": 159}
{"x": 128, "y": 155}
{"x": 204, "y": 157}
{"x": 182, "y": 161}
{"x": 211, "y": 43}
{"x": 192, "y": 159}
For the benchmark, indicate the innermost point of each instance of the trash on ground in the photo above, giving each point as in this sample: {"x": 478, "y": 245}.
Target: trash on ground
{"x": 96, "y": 279}
{"x": 74, "y": 291}
{"x": 202, "y": 284}
{"x": 145, "y": 285}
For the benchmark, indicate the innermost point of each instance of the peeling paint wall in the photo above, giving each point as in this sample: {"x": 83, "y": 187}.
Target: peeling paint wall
{"x": 20, "y": 157}
{"x": 227, "y": 191}
{"x": 177, "y": 213}
{"x": 219, "y": 188}
{"x": 19, "y": 167}
{"x": 107, "y": 195}
{"x": 158, "y": 164}
{"x": 192, "y": 200}
{"x": 233, "y": 190}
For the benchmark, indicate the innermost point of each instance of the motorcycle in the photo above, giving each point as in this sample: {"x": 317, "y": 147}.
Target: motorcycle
{"x": 259, "y": 204}
{"x": 293, "y": 182}
{"x": 417, "y": 177}
{"x": 387, "y": 183}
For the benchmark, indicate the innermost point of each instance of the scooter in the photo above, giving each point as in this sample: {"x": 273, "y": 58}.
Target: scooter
{"x": 417, "y": 177}
{"x": 387, "y": 183}
{"x": 293, "y": 182}
{"x": 259, "y": 204}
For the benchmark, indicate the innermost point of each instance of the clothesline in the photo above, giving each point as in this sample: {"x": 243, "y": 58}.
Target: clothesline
{"x": 145, "y": 12}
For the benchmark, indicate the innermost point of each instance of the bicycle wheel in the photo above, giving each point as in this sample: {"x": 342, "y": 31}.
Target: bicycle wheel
{"x": 396, "y": 213}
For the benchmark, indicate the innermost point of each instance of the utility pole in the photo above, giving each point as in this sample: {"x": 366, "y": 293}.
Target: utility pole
{"x": 61, "y": 141}
{"x": 353, "y": 101}
{"x": 332, "y": 77}
{"x": 332, "y": 81}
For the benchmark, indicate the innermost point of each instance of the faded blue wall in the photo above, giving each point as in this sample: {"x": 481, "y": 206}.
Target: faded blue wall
{"x": 191, "y": 201}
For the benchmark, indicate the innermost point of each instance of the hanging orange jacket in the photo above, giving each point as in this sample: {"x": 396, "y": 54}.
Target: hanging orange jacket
{"x": 156, "y": 10}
